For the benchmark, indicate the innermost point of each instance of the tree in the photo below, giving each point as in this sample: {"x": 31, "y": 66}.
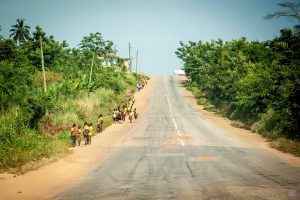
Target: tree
{"x": 20, "y": 31}
{"x": 95, "y": 43}
{"x": 7, "y": 49}
{"x": 292, "y": 12}
{"x": 39, "y": 32}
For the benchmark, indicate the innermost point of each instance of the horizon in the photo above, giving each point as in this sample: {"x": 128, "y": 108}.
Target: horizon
{"x": 153, "y": 28}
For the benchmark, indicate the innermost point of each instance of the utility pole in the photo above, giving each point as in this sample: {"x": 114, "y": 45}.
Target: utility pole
{"x": 90, "y": 80}
{"x": 130, "y": 65}
{"x": 136, "y": 62}
{"x": 43, "y": 67}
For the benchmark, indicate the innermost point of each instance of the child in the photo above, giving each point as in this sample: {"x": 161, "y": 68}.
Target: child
{"x": 131, "y": 116}
{"x": 100, "y": 124}
{"x": 119, "y": 116}
{"x": 74, "y": 131}
{"x": 86, "y": 133}
{"x": 135, "y": 114}
{"x": 124, "y": 111}
{"x": 79, "y": 133}
{"x": 90, "y": 127}
{"x": 114, "y": 115}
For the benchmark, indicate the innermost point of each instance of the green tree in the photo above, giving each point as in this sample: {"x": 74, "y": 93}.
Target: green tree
{"x": 39, "y": 33}
{"x": 20, "y": 31}
{"x": 7, "y": 49}
{"x": 95, "y": 43}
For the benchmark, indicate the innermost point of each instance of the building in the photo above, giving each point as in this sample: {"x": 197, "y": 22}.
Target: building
{"x": 179, "y": 72}
{"x": 111, "y": 59}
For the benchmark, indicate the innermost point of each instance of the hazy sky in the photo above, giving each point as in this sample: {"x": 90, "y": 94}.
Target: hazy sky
{"x": 154, "y": 27}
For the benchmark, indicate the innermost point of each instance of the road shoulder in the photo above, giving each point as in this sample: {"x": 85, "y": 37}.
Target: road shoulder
{"x": 246, "y": 136}
{"x": 55, "y": 177}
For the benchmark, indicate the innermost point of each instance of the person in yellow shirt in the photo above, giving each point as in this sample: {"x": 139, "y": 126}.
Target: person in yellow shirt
{"x": 90, "y": 133}
{"x": 86, "y": 133}
{"x": 100, "y": 124}
{"x": 131, "y": 113}
{"x": 79, "y": 133}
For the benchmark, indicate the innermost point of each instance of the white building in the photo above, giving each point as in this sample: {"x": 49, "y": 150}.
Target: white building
{"x": 111, "y": 59}
{"x": 179, "y": 72}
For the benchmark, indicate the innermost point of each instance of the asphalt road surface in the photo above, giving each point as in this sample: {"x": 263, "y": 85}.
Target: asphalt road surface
{"x": 174, "y": 153}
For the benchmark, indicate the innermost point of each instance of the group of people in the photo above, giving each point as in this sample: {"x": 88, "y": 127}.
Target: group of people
{"x": 141, "y": 85}
{"x": 86, "y": 131}
{"x": 119, "y": 114}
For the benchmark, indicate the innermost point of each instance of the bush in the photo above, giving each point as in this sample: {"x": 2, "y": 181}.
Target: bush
{"x": 21, "y": 144}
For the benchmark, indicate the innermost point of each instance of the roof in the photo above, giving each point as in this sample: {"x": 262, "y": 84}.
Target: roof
{"x": 179, "y": 72}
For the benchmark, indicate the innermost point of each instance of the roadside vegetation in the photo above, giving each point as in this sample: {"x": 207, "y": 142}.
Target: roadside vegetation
{"x": 254, "y": 83}
{"x": 38, "y": 109}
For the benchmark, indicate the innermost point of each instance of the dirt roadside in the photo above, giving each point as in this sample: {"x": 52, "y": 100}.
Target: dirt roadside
{"x": 55, "y": 177}
{"x": 246, "y": 136}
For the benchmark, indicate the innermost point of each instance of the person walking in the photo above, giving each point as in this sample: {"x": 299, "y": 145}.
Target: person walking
{"x": 74, "y": 131}
{"x": 136, "y": 115}
{"x": 114, "y": 116}
{"x": 86, "y": 133}
{"x": 90, "y": 128}
{"x": 131, "y": 116}
{"x": 124, "y": 111}
{"x": 79, "y": 133}
{"x": 100, "y": 124}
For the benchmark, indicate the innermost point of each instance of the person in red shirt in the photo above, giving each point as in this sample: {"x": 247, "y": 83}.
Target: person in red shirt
{"x": 74, "y": 131}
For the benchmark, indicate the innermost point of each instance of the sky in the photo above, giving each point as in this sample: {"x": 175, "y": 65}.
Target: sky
{"x": 153, "y": 27}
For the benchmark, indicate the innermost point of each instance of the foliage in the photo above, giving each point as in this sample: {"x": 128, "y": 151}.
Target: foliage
{"x": 33, "y": 123}
{"x": 95, "y": 43}
{"x": 20, "y": 31}
{"x": 247, "y": 79}
{"x": 292, "y": 12}
{"x": 20, "y": 144}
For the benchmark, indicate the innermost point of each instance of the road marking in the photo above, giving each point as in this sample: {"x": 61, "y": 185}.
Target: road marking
{"x": 184, "y": 137}
{"x": 203, "y": 158}
{"x": 172, "y": 116}
{"x": 165, "y": 154}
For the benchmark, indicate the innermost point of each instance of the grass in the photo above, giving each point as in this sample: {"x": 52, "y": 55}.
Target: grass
{"x": 239, "y": 124}
{"x": 287, "y": 146}
{"x": 27, "y": 147}
{"x": 264, "y": 126}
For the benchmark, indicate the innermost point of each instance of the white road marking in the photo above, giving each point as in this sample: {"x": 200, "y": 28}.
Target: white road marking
{"x": 172, "y": 116}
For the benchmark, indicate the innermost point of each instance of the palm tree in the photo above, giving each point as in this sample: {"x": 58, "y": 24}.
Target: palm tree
{"x": 292, "y": 11}
{"x": 20, "y": 31}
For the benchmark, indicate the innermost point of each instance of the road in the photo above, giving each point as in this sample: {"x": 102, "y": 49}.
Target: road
{"x": 175, "y": 153}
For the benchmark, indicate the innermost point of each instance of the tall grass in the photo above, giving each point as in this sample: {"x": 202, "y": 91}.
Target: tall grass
{"x": 87, "y": 107}
{"x": 20, "y": 144}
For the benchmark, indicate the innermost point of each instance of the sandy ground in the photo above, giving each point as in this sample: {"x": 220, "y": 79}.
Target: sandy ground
{"x": 54, "y": 178}
{"x": 246, "y": 136}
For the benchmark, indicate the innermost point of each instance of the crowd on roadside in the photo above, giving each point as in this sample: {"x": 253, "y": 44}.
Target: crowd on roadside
{"x": 118, "y": 116}
{"x": 141, "y": 85}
